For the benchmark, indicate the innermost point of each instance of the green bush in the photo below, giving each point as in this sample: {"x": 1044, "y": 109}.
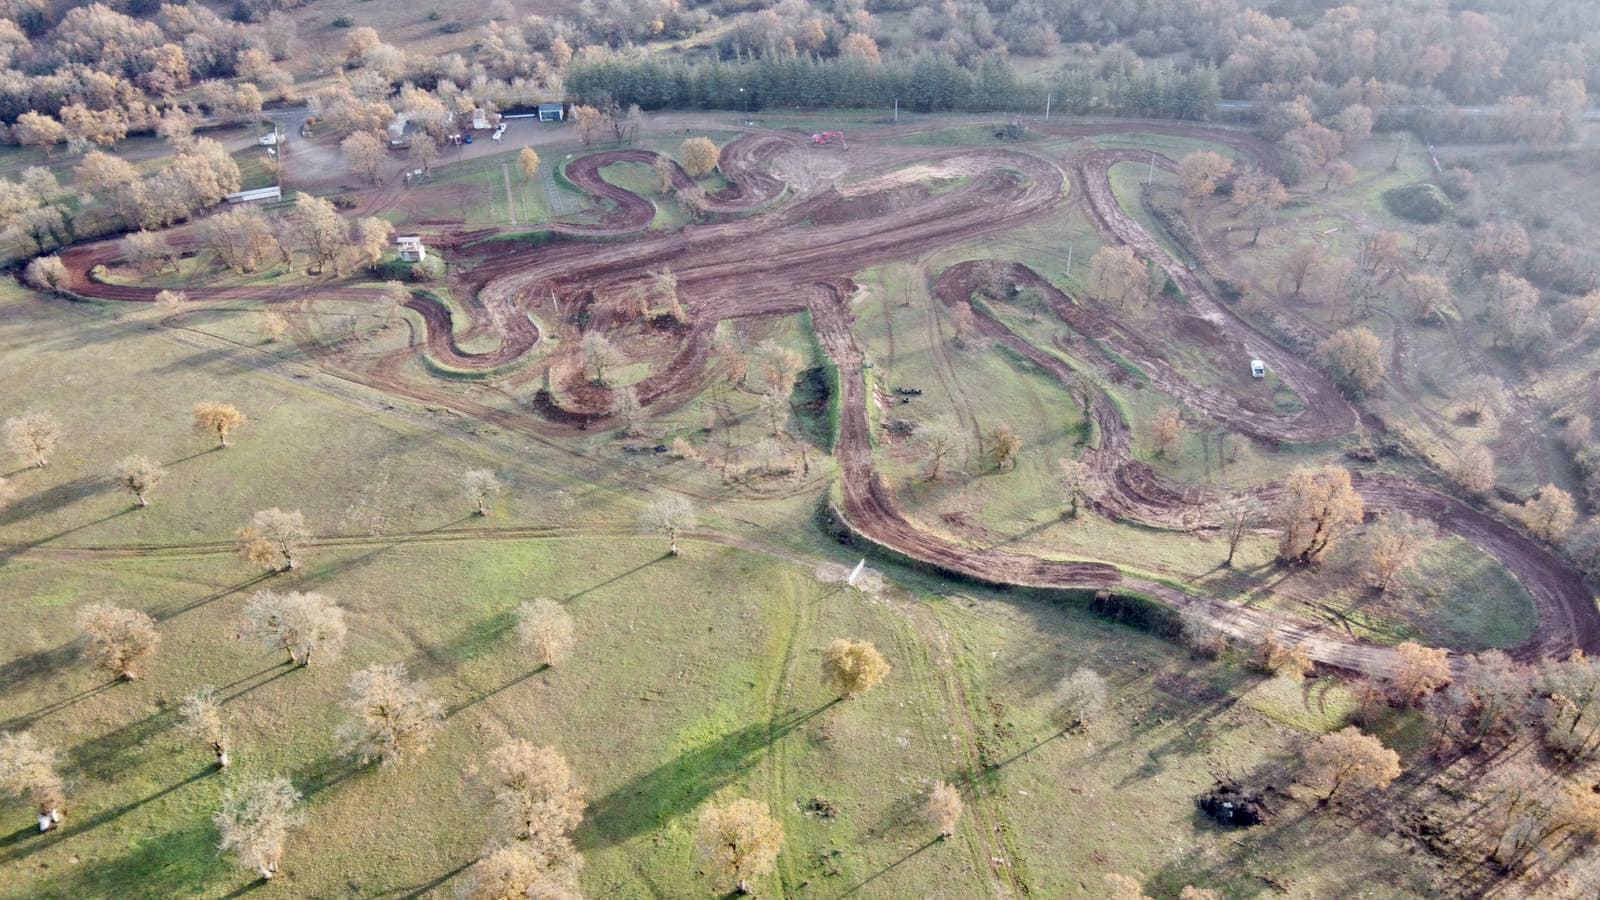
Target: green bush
{"x": 342, "y": 22}
{"x": 430, "y": 269}
{"x": 1418, "y": 202}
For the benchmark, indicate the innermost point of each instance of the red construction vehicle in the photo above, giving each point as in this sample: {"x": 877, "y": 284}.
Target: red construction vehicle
{"x": 827, "y": 136}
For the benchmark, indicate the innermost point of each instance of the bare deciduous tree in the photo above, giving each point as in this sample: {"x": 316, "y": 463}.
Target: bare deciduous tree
{"x": 1317, "y": 507}
{"x": 139, "y": 475}
{"x": 944, "y": 438}
{"x": 1117, "y": 276}
{"x": 424, "y": 151}
{"x": 200, "y": 718}
{"x": 850, "y": 668}
{"x": 479, "y": 485}
{"x": 255, "y": 820}
{"x": 1298, "y": 266}
{"x": 1392, "y": 545}
{"x": 1166, "y": 431}
{"x": 365, "y": 153}
{"x": 391, "y": 717}
{"x": 669, "y": 516}
{"x": 598, "y": 355}
{"x": 1427, "y": 297}
{"x": 302, "y": 625}
{"x": 1353, "y": 357}
{"x": 737, "y": 842}
{"x": 1549, "y": 514}
{"x": 47, "y": 273}
{"x": 1200, "y": 171}
{"x": 120, "y": 640}
{"x": 33, "y": 436}
{"x": 1200, "y": 633}
{"x": 1422, "y": 671}
{"x": 1349, "y": 758}
{"x": 1004, "y": 445}
{"x": 1483, "y": 398}
{"x": 546, "y": 630}
{"x": 148, "y": 252}
{"x": 1071, "y": 476}
{"x": 1240, "y": 515}
{"x": 1474, "y": 470}
{"x": 1571, "y": 709}
{"x": 1257, "y": 197}
{"x": 28, "y": 772}
{"x": 1277, "y": 658}
{"x": 1536, "y": 812}
{"x": 778, "y": 366}
{"x": 1080, "y": 698}
{"x": 391, "y": 299}
{"x": 524, "y": 869}
{"x": 219, "y": 419}
{"x": 1484, "y": 700}
{"x": 943, "y": 808}
{"x": 625, "y": 407}
{"x": 272, "y": 539}
{"x": 533, "y": 793}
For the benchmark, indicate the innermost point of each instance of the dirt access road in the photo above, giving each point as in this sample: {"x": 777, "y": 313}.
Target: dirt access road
{"x": 778, "y": 251}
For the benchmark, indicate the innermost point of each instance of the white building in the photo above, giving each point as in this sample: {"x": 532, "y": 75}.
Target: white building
{"x": 411, "y": 249}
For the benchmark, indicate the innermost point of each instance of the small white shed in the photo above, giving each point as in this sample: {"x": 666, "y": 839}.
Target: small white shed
{"x": 480, "y": 119}
{"x": 411, "y": 248}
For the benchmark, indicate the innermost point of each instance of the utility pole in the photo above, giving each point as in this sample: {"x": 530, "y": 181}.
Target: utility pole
{"x": 897, "y": 110}
{"x": 1151, "y": 178}
{"x": 1047, "y": 99}
{"x": 1069, "y": 260}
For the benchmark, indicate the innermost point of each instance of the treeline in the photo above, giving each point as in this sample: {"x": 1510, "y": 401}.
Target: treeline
{"x": 931, "y": 83}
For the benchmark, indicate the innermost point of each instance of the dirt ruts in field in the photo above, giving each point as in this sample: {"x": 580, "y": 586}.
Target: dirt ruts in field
{"x": 800, "y": 256}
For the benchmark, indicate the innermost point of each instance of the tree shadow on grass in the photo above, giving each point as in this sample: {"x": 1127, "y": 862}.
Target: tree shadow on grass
{"x": 26, "y": 720}
{"x": 165, "y": 613}
{"x": 72, "y": 829}
{"x": 856, "y": 888}
{"x": 415, "y": 891}
{"x": 170, "y": 865}
{"x": 54, "y": 498}
{"x": 492, "y": 691}
{"x": 648, "y": 801}
{"x": 11, "y": 550}
{"x": 432, "y": 660}
{"x": 18, "y": 673}
{"x": 281, "y": 669}
{"x": 103, "y": 757}
{"x": 327, "y": 772}
{"x": 618, "y": 577}
{"x": 349, "y": 564}
{"x": 106, "y": 756}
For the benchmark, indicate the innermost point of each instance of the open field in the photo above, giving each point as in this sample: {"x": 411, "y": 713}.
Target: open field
{"x": 921, "y": 275}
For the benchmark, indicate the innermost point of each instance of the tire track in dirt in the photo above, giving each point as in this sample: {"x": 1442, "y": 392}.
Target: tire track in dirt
{"x": 801, "y": 256}
{"x": 1567, "y": 616}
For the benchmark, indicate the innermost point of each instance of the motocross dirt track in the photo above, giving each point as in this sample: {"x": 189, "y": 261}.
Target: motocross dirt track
{"x": 770, "y": 257}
